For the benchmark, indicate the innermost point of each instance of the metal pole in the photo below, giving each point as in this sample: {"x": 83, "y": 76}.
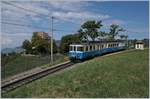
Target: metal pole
{"x": 52, "y": 40}
{"x": 126, "y": 40}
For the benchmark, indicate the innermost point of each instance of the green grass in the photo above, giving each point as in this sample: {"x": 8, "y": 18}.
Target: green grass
{"x": 120, "y": 75}
{"x": 18, "y": 64}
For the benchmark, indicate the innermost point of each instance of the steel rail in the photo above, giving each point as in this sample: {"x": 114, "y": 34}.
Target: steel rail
{"x": 13, "y": 85}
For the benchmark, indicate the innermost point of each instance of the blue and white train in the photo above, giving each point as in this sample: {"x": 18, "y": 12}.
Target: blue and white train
{"x": 84, "y": 50}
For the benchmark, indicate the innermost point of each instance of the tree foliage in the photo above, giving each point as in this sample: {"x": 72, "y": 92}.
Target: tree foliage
{"x": 27, "y": 45}
{"x": 90, "y": 29}
{"x": 123, "y": 37}
{"x": 39, "y": 45}
{"x": 68, "y": 39}
{"x": 146, "y": 42}
{"x": 114, "y": 31}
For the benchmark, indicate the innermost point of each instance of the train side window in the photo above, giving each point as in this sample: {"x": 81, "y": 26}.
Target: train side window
{"x": 86, "y": 47}
{"x": 97, "y": 47}
{"x": 90, "y": 47}
{"x": 74, "y": 48}
{"x": 93, "y": 47}
{"x": 117, "y": 45}
{"x": 80, "y": 49}
{"x": 102, "y": 46}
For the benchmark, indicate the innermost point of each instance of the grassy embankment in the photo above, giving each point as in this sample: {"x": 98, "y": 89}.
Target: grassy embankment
{"x": 121, "y": 75}
{"x": 12, "y": 65}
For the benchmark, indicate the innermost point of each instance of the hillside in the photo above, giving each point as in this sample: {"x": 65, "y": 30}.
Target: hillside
{"x": 12, "y": 65}
{"x": 120, "y": 75}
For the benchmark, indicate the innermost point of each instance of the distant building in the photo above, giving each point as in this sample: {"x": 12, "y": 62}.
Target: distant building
{"x": 43, "y": 35}
{"x": 139, "y": 45}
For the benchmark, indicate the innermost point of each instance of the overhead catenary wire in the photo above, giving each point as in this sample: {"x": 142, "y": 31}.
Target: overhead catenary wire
{"x": 31, "y": 26}
{"x": 41, "y": 14}
{"x": 23, "y": 25}
{"x": 17, "y": 6}
{"x": 32, "y": 12}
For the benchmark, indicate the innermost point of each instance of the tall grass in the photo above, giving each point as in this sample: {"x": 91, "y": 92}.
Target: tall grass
{"x": 19, "y": 63}
{"x": 121, "y": 75}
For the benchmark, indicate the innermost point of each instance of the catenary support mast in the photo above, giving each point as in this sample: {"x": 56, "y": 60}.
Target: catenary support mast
{"x": 52, "y": 39}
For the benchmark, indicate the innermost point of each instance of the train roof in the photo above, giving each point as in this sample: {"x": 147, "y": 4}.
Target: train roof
{"x": 95, "y": 42}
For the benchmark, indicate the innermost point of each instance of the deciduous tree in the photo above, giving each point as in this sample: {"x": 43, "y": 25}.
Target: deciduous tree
{"x": 27, "y": 46}
{"x": 114, "y": 31}
{"x": 90, "y": 29}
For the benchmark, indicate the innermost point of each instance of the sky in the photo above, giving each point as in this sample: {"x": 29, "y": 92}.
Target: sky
{"x": 35, "y": 16}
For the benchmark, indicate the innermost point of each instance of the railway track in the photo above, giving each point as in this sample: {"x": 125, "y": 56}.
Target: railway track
{"x": 24, "y": 80}
{"x": 13, "y": 84}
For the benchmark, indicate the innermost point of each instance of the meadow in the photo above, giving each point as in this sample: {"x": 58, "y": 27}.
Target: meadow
{"x": 121, "y": 75}
{"x": 12, "y": 65}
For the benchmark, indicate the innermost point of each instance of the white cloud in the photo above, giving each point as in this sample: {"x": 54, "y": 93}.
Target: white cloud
{"x": 5, "y": 40}
{"x": 17, "y": 35}
{"x": 79, "y": 16}
{"x": 65, "y": 11}
{"x": 61, "y": 10}
{"x": 13, "y": 40}
{"x": 68, "y": 5}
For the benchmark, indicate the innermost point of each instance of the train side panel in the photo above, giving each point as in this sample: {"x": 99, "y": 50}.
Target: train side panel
{"x": 82, "y": 52}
